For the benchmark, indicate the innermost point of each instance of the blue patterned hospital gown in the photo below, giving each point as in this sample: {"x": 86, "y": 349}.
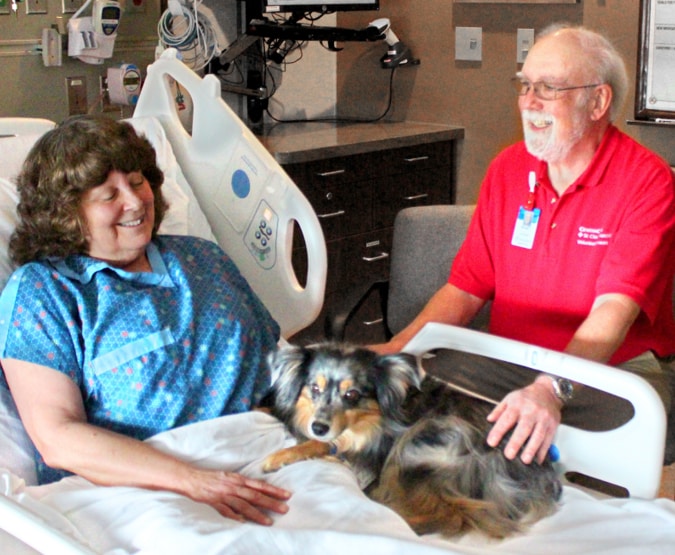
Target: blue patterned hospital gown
{"x": 149, "y": 351}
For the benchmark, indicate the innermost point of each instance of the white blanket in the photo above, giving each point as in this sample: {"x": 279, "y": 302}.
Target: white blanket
{"x": 328, "y": 513}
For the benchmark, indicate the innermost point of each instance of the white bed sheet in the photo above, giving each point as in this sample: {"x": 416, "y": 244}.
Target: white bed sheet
{"x": 328, "y": 513}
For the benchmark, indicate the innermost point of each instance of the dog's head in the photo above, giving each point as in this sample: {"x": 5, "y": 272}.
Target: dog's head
{"x": 325, "y": 388}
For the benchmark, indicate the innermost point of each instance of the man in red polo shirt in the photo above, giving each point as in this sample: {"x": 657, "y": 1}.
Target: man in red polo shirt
{"x": 573, "y": 241}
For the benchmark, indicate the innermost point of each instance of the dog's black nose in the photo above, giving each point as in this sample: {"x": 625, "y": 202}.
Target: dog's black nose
{"x": 320, "y": 429}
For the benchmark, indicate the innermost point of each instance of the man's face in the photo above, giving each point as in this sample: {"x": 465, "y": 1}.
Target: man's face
{"x": 552, "y": 128}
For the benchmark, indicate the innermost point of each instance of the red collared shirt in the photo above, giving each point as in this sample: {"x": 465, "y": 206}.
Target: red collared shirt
{"x": 612, "y": 231}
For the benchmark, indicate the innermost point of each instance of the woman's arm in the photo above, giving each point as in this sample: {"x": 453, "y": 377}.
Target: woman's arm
{"x": 52, "y": 410}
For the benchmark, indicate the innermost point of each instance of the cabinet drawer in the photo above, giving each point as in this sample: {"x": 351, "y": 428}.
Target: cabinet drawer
{"x": 342, "y": 209}
{"x": 415, "y": 158}
{"x": 391, "y": 195}
{"x": 367, "y": 325}
{"x": 340, "y": 169}
{"x": 365, "y": 257}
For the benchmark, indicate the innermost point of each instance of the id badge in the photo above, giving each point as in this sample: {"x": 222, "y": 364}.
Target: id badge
{"x": 525, "y": 228}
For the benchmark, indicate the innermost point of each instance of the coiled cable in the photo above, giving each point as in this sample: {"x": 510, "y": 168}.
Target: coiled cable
{"x": 181, "y": 27}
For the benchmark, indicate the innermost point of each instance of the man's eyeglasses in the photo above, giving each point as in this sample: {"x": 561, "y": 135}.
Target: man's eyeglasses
{"x": 542, "y": 90}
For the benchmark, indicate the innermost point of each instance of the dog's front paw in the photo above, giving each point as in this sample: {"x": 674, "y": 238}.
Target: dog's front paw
{"x": 311, "y": 449}
{"x": 279, "y": 459}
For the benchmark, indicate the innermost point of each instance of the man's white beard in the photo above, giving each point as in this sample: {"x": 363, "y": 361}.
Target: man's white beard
{"x": 544, "y": 144}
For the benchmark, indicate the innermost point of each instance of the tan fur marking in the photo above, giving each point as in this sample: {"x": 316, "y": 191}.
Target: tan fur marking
{"x": 321, "y": 382}
{"x": 346, "y": 385}
{"x": 304, "y": 411}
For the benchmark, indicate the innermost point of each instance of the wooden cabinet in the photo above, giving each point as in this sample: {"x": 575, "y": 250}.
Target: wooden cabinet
{"x": 356, "y": 198}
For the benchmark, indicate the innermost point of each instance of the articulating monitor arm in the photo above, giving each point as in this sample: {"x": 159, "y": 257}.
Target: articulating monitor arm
{"x": 380, "y": 29}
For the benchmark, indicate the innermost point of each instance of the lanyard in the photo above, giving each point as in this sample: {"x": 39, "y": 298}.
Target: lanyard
{"x": 528, "y": 218}
{"x": 532, "y": 183}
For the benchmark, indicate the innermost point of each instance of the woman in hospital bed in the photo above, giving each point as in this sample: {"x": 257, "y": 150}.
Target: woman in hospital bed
{"x": 114, "y": 333}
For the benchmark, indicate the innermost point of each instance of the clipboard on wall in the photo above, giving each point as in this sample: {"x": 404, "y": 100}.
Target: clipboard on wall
{"x": 655, "y": 94}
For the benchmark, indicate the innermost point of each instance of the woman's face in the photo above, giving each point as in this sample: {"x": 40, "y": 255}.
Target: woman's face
{"x": 119, "y": 215}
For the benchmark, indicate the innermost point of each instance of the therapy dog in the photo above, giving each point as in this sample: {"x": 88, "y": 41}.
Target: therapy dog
{"x": 422, "y": 444}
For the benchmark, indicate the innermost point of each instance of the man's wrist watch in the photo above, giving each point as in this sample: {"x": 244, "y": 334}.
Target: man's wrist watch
{"x": 563, "y": 389}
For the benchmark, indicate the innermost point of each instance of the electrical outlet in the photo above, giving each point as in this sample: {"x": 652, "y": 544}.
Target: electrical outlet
{"x": 104, "y": 97}
{"x": 36, "y": 6}
{"x": 76, "y": 89}
{"x": 525, "y": 40}
{"x": 469, "y": 43}
{"x": 71, "y": 6}
{"x": 4, "y": 7}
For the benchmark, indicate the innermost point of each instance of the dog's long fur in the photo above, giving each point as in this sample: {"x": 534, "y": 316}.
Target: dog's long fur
{"x": 422, "y": 442}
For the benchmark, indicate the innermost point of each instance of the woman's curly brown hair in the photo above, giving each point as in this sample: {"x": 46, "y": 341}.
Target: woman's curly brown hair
{"x": 67, "y": 161}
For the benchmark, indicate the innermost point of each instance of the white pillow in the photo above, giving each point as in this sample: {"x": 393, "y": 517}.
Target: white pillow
{"x": 8, "y": 200}
{"x": 16, "y": 448}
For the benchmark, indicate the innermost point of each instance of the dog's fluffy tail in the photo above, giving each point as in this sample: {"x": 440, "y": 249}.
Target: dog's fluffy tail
{"x": 443, "y": 478}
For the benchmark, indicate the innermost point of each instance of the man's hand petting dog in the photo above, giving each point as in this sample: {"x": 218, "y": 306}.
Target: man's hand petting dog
{"x": 423, "y": 445}
{"x": 533, "y": 413}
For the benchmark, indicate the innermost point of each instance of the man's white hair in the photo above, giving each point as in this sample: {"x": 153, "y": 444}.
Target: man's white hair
{"x": 602, "y": 63}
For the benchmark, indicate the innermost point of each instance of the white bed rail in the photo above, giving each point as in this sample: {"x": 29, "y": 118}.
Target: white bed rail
{"x": 242, "y": 190}
{"x": 630, "y": 456}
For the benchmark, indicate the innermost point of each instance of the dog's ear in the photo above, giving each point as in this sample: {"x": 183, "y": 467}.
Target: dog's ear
{"x": 397, "y": 374}
{"x": 288, "y": 367}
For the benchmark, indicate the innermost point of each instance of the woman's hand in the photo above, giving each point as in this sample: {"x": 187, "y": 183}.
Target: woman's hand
{"x": 51, "y": 408}
{"x": 238, "y": 497}
{"x": 534, "y": 415}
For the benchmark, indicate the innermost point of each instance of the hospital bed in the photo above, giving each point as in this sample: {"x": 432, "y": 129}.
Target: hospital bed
{"x": 223, "y": 185}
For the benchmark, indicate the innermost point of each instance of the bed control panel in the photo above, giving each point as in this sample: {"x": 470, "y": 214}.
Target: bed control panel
{"x": 242, "y": 185}
{"x": 261, "y": 235}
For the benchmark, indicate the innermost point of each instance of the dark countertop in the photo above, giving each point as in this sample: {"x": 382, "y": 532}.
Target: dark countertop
{"x": 294, "y": 143}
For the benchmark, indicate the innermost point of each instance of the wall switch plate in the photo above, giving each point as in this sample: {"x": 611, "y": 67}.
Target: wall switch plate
{"x": 525, "y": 40}
{"x": 76, "y": 89}
{"x": 36, "y": 6}
{"x": 71, "y": 6}
{"x": 469, "y": 43}
{"x": 52, "y": 47}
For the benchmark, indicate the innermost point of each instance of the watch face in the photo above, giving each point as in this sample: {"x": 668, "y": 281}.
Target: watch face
{"x": 565, "y": 389}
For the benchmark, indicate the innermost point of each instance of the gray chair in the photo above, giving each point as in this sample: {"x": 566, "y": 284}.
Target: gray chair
{"x": 425, "y": 243}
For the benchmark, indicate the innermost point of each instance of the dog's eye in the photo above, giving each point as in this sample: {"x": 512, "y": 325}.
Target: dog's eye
{"x": 352, "y": 396}
{"x": 315, "y": 389}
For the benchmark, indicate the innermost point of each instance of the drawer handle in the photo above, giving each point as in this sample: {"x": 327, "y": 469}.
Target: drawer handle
{"x": 331, "y": 173}
{"x": 330, "y": 214}
{"x": 375, "y": 258}
{"x": 416, "y": 197}
{"x": 372, "y": 322}
{"x": 416, "y": 159}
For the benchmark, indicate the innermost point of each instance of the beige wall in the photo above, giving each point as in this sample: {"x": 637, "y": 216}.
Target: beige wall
{"x": 28, "y": 88}
{"x": 475, "y": 95}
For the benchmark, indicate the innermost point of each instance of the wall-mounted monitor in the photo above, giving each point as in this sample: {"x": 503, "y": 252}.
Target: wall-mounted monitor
{"x": 273, "y": 6}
